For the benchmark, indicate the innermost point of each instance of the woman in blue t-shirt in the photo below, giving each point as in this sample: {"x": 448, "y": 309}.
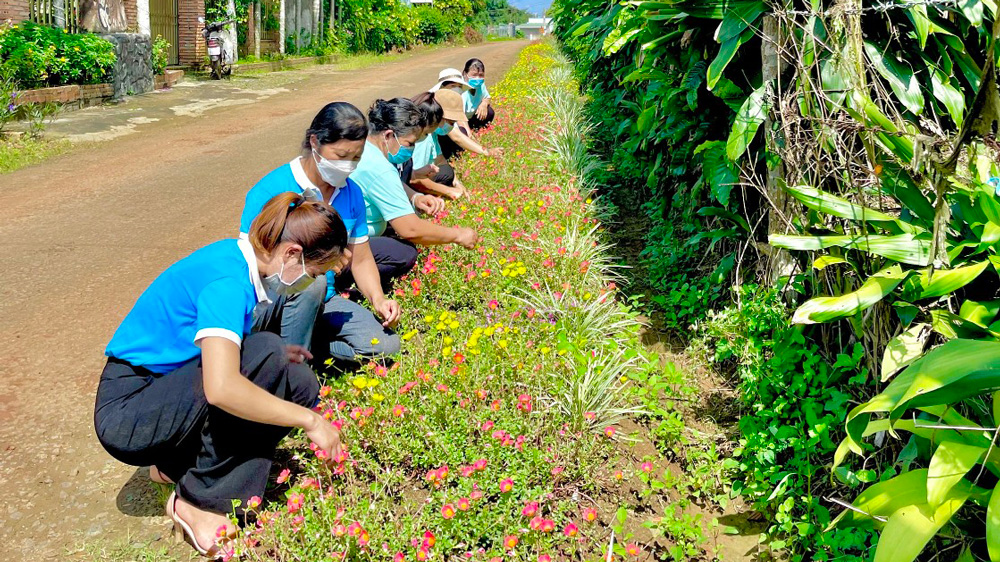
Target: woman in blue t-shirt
{"x": 187, "y": 391}
{"x": 331, "y": 149}
{"x": 477, "y": 100}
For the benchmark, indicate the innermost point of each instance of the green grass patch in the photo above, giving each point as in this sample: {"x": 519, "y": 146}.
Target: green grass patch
{"x": 18, "y": 153}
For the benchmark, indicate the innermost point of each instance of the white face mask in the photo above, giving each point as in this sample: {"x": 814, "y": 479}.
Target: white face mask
{"x": 276, "y": 287}
{"x": 334, "y": 172}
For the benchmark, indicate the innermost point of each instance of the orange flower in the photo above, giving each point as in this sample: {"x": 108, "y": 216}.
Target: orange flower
{"x": 510, "y": 541}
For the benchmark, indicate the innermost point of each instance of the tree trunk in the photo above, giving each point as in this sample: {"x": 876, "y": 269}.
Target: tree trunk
{"x": 780, "y": 262}
{"x": 258, "y": 19}
{"x": 59, "y": 13}
{"x": 281, "y": 26}
{"x": 333, "y": 15}
{"x": 231, "y": 29}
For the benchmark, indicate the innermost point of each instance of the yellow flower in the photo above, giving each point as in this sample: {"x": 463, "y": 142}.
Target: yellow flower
{"x": 545, "y": 349}
{"x": 446, "y": 351}
{"x": 378, "y": 397}
{"x": 428, "y": 319}
{"x": 502, "y": 344}
{"x": 408, "y": 335}
{"x": 374, "y": 341}
{"x": 359, "y": 382}
{"x": 448, "y": 340}
{"x": 623, "y": 379}
{"x": 453, "y": 325}
{"x": 372, "y": 383}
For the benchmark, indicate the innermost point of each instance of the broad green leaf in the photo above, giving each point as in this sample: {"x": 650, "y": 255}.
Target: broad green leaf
{"x": 865, "y": 110}
{"x": 903, "y": 248}
{"x": 921, "y": 23}
{"x": 885, "y": 498}
{"x": 616, "y": 39}
{"x": 953, "y": 326}
{"x": 939, "y": 282}
{"x": 748, "y": 119}
{"x": 909, "y": 530}
{"x": 822, "y": 262}
{"x": 973, "y": 11}
{"x": 899, "y": 76}
{"x": 825, "y": 309}
{"x": 993, "y": 525}
{"x": 725, "y": 214}
{"x": 960, "y": 365}
{"x": 903, "y": 350}
{"x": 726, "y": 53}
{"x": 717, "y": 170}
{"x": 645, "y": 120}
{"x": 737, "y": 20}
{"x": 952, "y": 98}
{"x": 898, "y": 183}
{"x": 966, "y": 556}
{"x": 956, "y": 50}
{"x": 837, "y": 206}
{"x": 949, "y": 464}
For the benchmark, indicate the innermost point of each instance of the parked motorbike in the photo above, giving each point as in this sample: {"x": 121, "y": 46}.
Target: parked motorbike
{"x": 221, "y": 54}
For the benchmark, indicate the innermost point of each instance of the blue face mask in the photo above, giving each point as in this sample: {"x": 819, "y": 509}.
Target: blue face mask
{"x": 402, "y": 155}
{"x": 444, "y": 129}
{"x": 476, "y": 82}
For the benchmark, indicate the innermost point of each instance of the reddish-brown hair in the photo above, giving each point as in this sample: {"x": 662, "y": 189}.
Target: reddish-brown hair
{"x": 314, "y": 225}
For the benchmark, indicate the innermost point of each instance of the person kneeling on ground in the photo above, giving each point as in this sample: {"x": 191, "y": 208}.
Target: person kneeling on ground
{"x": 393, "y": 128}
{"x": 433, "y": 173}
{"x": 331, "y": 150}
{"x": 477, "y": 100}
{"x": 461, "y": 137}
{"x": 188, "y": 391}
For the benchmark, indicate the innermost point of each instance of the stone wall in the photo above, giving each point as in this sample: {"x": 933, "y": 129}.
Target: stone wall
{"x": 14, "y": 10}
{"x": 133, "y": 72}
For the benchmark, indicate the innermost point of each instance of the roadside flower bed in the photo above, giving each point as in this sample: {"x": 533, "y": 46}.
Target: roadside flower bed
{"x": 499, "y": 434}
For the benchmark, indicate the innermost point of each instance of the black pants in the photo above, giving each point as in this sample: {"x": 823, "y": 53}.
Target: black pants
{"x": 393, "y": 257}
{"x": 448, "y": 147}
{"x": 445, "y": 175}
{"x": 144, "y": 418}
{"x": 476, "y": 123}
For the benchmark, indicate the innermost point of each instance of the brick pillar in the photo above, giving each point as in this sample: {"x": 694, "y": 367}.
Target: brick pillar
{"x": 191, "y": 49}
{"x": 132, "y": 15}
{"x": 14, "y": 10}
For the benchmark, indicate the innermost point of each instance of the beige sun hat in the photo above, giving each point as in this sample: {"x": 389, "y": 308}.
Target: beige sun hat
{"x": 450, "y": 75}
{"x": 451, "y": 102}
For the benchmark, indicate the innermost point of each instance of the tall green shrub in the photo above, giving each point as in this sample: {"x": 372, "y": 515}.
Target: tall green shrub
{"x": 37, "y": 56}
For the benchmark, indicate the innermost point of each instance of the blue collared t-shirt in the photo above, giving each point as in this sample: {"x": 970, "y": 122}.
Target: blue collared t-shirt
{"x": 473, "y": 98}
{"x": 348, "y": 200}
{"x": 426, "y": 150}
{"x": 385, "y": 198}
{"x": 210, "y": 293}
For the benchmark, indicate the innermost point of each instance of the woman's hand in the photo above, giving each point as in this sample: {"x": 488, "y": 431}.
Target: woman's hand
{"x": 466, "y": 238}
{"x": 389, "y": 310}
{"x": 324, "y": 435}
{"x": 297, "y": 353}
{"x": 428, "y": 204}
{"x": 483, "y": 111}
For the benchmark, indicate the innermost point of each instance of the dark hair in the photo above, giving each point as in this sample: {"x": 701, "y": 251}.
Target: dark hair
{"x": 337, "y": 121}
{"x": 429, "y": 107}
{"x": 474, "y": 64}
{"x": 399, "y": 115}
{"x": 314, "y": 225}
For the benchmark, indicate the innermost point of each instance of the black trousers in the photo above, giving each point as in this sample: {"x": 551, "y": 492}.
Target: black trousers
{"x": 144, "y": 418}
{"x": 445, "y": 175}
{"x": 476, "y": 123}
{"x": 393, "y": 257}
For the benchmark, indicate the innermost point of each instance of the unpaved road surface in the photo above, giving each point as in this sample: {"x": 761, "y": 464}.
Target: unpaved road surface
{"x": 84, "y": 233}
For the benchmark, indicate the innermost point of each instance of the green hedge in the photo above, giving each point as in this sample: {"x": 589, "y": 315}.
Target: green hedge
{"x": 38, "y": 56}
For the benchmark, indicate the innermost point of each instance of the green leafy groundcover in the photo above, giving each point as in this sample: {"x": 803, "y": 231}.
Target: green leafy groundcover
{"x": 495, "y": 435}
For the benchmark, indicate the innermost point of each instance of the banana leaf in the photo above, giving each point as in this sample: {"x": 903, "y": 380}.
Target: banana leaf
{"x": 837, "y": 206}
{"x": 748, "y": 119}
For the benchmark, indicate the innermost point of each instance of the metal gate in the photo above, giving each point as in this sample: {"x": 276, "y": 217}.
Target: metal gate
{"x": 163, "y": 22}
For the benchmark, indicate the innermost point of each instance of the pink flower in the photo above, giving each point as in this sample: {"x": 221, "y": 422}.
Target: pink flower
{"x": 609, "y": 431}
{"x": 524, "y": 402}
{"x": 571, "y": 530}
{"x": 463, "y": 504}
{"x": 646, "y": 467}
{"x": 633, "y": 549}
{"x": 295, "y": 502}
{"x": 399, "y": 557}
{"x": 487, "y": 425}
{"x": 544, "y": 558}
{"x": 510, "y": 541}
{"x": 283, "y": 476}
{"x": 556, "y": 471}
{"x": 422, "y": 555}
{"x": 530, "y": 509}
{"x": 590, "y": 515}
{"x": 253, "y": 502}
{"x": 506, "y": 485}
{"x": 339, "y": 530}
{"x": 589, "y": 416}
{"x": 429, "y": 540}
{"x": 447, "y": 511}
{"x": 476, "y": 493}
{"x": 398, "y": 410}
{"x": 548, "y": 526}
{"x": 480, "y": 464}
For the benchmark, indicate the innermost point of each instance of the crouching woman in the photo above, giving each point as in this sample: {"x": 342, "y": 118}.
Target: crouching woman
{"x": 187, "y": 391}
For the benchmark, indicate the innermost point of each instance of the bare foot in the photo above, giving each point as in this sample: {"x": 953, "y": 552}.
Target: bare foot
{"x": 156, "y": 476}
{"x": 209, "y": 527}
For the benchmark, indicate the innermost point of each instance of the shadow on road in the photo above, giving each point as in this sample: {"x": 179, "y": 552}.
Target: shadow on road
{"x": 140, "y": 497}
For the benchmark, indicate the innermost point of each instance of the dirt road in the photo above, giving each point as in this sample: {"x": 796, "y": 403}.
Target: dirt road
{"x": 84, "y": 233}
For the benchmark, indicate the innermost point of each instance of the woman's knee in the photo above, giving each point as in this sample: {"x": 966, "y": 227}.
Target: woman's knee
{"x": 303, "y": 385}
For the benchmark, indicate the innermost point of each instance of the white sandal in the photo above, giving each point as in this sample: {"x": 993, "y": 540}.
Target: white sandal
{"x": 183, "y": 531}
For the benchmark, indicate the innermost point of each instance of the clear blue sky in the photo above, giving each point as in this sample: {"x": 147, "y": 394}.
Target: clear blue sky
{"x": 534, "y": 6}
